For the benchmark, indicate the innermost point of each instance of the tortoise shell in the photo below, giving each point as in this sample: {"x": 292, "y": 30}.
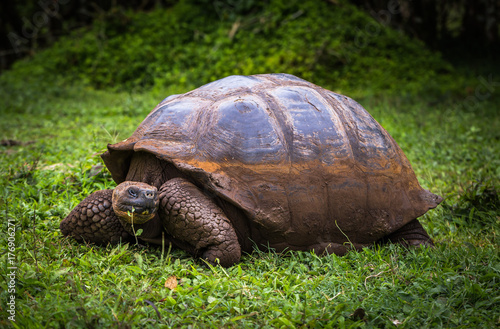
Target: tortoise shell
{"x": 303, "y": 166}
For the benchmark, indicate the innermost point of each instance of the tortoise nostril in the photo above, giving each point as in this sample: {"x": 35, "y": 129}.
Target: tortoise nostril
{"x": 149, "y": 194}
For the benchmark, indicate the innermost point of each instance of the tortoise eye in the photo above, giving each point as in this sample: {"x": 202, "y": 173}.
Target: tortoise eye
{"x": 132, "y": 193}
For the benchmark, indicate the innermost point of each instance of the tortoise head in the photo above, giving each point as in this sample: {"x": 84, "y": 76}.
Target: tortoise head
{"x": 135, "y": 202}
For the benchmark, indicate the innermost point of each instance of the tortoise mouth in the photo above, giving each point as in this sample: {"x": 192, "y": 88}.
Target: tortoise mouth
{"x": 133, "y": 214}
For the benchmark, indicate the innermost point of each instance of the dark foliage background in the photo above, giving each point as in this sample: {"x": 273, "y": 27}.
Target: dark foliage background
{"x": 470, "y": 26}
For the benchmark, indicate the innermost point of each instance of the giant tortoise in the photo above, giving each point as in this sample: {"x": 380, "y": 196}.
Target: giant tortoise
{"x": 266, "y": 161}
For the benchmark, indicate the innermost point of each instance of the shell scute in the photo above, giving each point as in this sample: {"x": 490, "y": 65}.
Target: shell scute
{"x": 317, "y": 130}
{"x": 241, "y": 131}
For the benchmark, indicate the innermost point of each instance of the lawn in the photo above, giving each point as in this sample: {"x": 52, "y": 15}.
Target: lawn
{"x": 58, "y": 134}
{"x": 52, "y": 131}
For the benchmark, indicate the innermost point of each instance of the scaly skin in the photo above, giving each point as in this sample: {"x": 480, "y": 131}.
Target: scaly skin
{"x": 192, "y": 217}
{"x": 412, "y": 234}
{"x": 194, "y": 221}
{"x": 94, "y": 220}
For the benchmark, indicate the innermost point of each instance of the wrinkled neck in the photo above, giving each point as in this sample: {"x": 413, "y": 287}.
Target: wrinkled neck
{"x": 147, "y": 168}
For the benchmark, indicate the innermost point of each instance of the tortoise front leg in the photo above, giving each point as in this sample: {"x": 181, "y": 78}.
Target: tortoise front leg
{"x": 192, "y": 218}
{"x": 94, "y": 220}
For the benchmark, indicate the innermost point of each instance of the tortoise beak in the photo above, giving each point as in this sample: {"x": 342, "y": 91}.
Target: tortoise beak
{"x": 143, "y": 207}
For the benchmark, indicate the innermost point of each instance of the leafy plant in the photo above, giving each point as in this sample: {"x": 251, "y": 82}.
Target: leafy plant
{"x": 194, "y": 42}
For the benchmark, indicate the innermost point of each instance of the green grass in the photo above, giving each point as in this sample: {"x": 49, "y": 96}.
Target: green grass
{"x": 61, "y": 283}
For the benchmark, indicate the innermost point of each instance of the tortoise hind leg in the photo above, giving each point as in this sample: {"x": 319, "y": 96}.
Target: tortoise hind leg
{"x": 412, "y": 234}
{"x": 93, "y": 220}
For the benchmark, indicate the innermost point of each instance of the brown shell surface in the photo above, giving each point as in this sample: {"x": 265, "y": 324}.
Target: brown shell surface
{"x": 307, "y": 167}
